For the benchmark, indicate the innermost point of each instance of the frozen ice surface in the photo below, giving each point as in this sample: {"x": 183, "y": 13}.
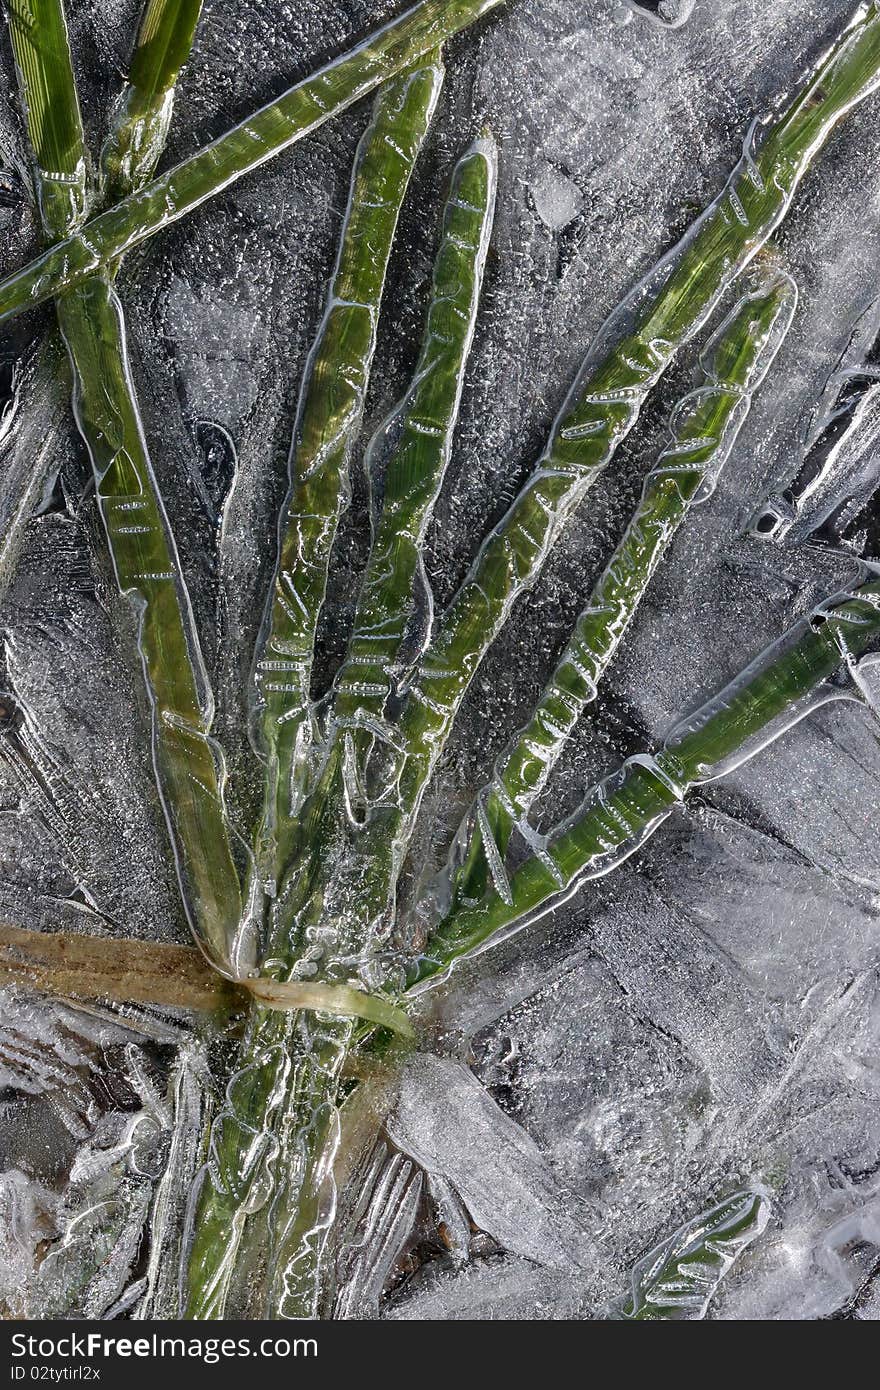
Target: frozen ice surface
{"x": 499, "y": 1287}
{"x": 668, "y": 12}
{"x": 73, "y": 1217}
{"x": 382, "y": 1228}
{"x": 505, "y": 1183}
{"x": 703, "y": 1022}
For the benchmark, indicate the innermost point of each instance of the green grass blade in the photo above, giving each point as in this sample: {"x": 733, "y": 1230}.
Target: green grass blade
{"x": 289, "y": 1072}
{"x": 65, "y": 203}
{"x": 704, "y": 429}
{"x": 188, "y": 767}
{"x": 189, "y": 771}
{"x": 677, "y": 1280}
{"x": 328, "y": 423}
{"x": 143, "y": 111}
{"x": 297, "y": 1232}
{"x": 608, "y": 397}
{"x": 305, "y": 107}
{"x": 40, "y": 43}
{"x": 291, "y": 1064}
{"x": 793, "y": 677}
{"x": 394, "y": 609}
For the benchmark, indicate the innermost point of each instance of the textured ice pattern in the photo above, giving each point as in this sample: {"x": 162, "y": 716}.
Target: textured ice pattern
{"x": 668, "y": 1090}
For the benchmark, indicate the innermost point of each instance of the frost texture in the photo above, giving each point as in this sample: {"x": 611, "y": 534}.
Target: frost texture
{"x": 500, "y": 1175}
{"x": 71, "y": 1246}
{"x": 702, "y": 1021}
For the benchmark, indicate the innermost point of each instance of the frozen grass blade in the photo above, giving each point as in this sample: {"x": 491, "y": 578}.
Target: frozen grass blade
{"x": 677, "y": 1280}
{"x": 407, "y": 459}
{"x": 328, "y": 423}
{"x": 303, "y": 1087}
{"x": 608, "y": 396}
{"x": 134, "y": 144}
{"x": 815, "y": 662}
{"x": 143, "y": 111}
{"x": 188, "y": 768}
{"x": 704, "y": 428}
{"x": 269, "y": 1169}
{"x": 399, "y": 45}
{"x": 126, "y": 971}
{"x": 38, "y": 31}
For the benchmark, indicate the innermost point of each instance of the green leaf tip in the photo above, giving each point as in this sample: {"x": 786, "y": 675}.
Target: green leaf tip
{"x": 142, "y": 114}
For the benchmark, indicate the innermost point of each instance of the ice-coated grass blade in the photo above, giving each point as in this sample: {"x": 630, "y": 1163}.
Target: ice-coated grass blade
{"x": 677, "y": 1280}
{"x": 188, "y": 768}
{"x": 302, "y": 109}
{"x": 704, "y": 428}
{"x": 143, "y": 111}
{"x": 408, "y": 457}
{"x": 291, "y": 1064}
{"x": 38, "y": 31}
{"x": 815, "y": 662}
{"x": 625, "y": 365}
{"x": 255, "y": 1175}
{"x": 137, "y": 132}
{"x": 327, "y": 426}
